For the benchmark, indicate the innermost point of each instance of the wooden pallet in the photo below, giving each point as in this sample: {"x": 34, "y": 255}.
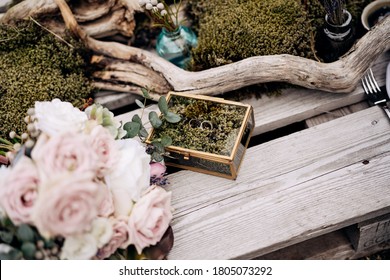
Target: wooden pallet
{"x": 293, "y": 192}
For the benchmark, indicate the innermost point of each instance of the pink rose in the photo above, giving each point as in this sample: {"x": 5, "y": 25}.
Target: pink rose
{"x": 67, "y": 205}
{"x": 157, "y": 170}
{"x": 118, "y": 240}
{"x": 19, "y": 191}
{"x": 106, "y": 208}
{"x": 63, "y": 153}
{"x": 150, "y": 218}
{"x": 106, "y": 149}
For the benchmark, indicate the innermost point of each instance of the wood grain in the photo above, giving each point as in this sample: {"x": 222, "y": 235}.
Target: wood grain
{"x": 289, "y": 190}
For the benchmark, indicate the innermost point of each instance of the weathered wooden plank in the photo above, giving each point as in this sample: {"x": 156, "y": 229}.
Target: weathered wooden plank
{"x": 332, "y": 115}
{"x": 114, "y": 100}
{"x": 331, "y": 246}
{"x": 289, "y": 190}
{"x": 371, "y": 235}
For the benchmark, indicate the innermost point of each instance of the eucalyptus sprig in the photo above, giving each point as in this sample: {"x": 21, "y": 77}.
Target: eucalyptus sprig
{"x": 136, "y": 128}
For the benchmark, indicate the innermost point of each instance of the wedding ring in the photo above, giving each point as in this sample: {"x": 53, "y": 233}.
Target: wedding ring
{"x": 206, "y": 125}
{"x": 193, "y": 123}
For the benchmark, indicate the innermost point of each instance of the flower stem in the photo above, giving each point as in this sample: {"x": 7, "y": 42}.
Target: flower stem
{"x": 4, "y": 141}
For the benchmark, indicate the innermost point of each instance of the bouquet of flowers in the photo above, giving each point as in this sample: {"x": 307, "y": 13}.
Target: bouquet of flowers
{"x": 77, "y": 190}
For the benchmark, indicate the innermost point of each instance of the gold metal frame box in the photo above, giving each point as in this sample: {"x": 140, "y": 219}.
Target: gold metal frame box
{"x": 211, "y": 137}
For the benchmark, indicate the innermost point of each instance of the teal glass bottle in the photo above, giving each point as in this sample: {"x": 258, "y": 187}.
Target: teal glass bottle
{"x": 176, "y": 46}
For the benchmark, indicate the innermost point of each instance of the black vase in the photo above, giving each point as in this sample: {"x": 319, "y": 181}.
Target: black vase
{"x": 337, "y": 39}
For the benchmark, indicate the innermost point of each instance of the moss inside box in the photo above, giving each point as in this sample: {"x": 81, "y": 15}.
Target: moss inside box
{"x": 206, "y": 126}
{"x": 37, "y": 66}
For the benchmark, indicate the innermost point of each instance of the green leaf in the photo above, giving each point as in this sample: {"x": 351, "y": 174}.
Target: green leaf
{"x": 139, "y": 103}
{"x": 172, "y": 117}
{"x": 143, "y": 132}
{"x": 163, "y": 105}
{"x": 154, "y": 119}
{"x": 6, "y": 237}
{"x": 132, "y": 129}
{"x": 159, "y": 147}
{"x": 10, "y": 253}
{"x": 145, "y": 92}
{"x": 157, "y": 157}
{"x": 25, "y": 233}
{"x": 137, "y": 119}
{"x": 28, "y": 250}
{"x": 166, "y": 140}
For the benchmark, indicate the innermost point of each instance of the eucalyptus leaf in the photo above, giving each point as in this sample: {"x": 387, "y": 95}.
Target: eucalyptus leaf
{"x": 172, "y": 117}
{"x": 28, "y": 249}
{"x": 145, "y": 92}
{"x": 143, "y": 132}
{"x": 139, "y": 103}
{"x": 163, "y": 105}
{"x": 166, "y": 140}
{"x": 159, "y": 147}
{"x": 137, "y": 119}
{"x": 6, "y": 237}
{"x": 157, "y": 157}
{"x": 154, "y": 119}
{"x": 132, "y": 129}
{"x": 25, "y": 233}
{"x": 8, "y": 252}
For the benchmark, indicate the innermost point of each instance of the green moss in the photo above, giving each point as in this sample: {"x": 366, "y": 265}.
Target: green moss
{"x": 36, "y": 66}
{"x": 217, "y": 134}
{"x": 231, "y": 30}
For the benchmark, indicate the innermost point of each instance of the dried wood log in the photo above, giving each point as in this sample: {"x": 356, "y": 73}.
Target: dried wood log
{"x": 91, "y": 10}
{"x": 99, "y": 18}
{"x": 121, "y": 72}
{"x": 31, "y": 8}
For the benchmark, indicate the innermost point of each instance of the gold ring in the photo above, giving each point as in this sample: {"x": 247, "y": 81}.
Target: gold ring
{"x": 206, "y": 125}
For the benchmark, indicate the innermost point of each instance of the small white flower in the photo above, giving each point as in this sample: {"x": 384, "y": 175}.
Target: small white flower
{"x": 149, "y": 6}
{"x": 160, "y": 6}
{"x": 154, "y": 2}
{"x": 164, "y": 12}
{"x": 30, "y": 143}
{"x": 12, "y": 134}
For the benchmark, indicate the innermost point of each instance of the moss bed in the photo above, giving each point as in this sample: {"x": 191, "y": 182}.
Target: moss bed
{"x": 36, "y": 66}
{"x": 231, "y": 30}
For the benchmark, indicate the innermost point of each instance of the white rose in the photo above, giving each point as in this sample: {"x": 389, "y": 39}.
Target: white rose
{"x": 102, "y": 231}
{"x": 79, "y": 247}
{"x": 130, "y": 177}
{"x": 57, "y": 116}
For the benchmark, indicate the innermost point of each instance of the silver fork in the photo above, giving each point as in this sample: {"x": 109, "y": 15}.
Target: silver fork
{"x": 374, "y": 93}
